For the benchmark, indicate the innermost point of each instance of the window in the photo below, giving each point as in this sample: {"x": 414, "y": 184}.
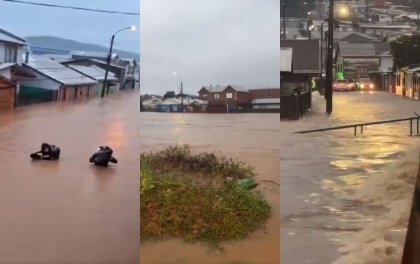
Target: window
{"x": 269, "y": 95}
{"x": 205, "y": 95}
{"x": 216, "y": 96}
{"x": 10, "y": 53}
{"x": 229, "y": 95}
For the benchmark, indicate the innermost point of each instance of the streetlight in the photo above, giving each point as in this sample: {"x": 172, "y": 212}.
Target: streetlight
{"x": 182, "y": 90}
{"x": 108, "y": 60}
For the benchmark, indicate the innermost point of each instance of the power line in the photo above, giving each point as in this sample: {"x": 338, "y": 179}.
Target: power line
{"x": 72, "y": 7}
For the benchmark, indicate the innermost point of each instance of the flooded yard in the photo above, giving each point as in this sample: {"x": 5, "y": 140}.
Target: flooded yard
{"x": 252, "y": 138}
{"x": 69, "y": 211}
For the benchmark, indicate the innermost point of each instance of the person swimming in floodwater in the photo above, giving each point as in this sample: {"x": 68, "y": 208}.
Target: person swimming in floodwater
{"x": 102, "y": 157}
{"x": 47, "y": 152}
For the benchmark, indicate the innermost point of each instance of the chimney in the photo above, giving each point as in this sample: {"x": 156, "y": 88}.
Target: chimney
{"x": 27, "y": 57}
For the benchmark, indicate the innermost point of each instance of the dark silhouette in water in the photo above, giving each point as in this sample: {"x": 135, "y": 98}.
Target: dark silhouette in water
{"x": 103, "y": 156}
{"x": 47, "y": 152}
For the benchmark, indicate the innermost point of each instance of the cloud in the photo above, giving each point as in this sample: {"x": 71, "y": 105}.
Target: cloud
{"x": 209, "y": 42}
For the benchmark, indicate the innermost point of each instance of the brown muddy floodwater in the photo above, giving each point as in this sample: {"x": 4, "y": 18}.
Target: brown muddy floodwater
{"x": 69, "y": 211}
{"x": 252, "y": 138}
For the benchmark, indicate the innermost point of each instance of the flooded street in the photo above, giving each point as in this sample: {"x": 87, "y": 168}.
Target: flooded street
{"x": 344, "y": 198}
{"x": 69, "y": 211}
{"x": 252, "y": 138}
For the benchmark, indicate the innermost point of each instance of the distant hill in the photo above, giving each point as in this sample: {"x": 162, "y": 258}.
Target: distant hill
{"x": 71, "y": 45}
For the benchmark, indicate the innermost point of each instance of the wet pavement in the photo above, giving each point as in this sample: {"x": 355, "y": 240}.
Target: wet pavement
{"x": 252, "y": 138}
{"x": 346, "y": 199}
{"x": 69, "y": 211}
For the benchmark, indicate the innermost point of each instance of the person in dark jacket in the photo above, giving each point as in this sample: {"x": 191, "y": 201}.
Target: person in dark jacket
{"x": 103, "y": 156}
{"x": 47, "y": 152}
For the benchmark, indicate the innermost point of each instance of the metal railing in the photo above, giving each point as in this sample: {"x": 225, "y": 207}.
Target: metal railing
{"x": 362, "y": 125}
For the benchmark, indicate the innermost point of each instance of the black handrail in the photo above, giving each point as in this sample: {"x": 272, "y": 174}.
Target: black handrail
{"x": 361, "y": 125}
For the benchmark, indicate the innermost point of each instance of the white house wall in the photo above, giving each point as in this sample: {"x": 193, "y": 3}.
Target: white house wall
{"x": 2, "y": 51}
{"x": 18, "y": 54}
{"x": 41, "y": 82}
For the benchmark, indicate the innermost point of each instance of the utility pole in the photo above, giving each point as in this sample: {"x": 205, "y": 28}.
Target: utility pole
{"x": 329, "y": 71}
{"x": 322, "y": 50}
{"x": 182, "y": 97}
{"x": 108, "y": 62}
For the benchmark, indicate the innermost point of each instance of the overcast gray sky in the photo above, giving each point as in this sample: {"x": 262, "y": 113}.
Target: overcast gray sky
{"x": 209, "y": 42}
{"x": 96, "y": 28}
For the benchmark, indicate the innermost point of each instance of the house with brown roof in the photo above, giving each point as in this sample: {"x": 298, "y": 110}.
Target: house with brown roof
{"x": 222, "y": 99}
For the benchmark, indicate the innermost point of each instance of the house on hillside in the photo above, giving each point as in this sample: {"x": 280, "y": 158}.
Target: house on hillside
{"x": 53, "y": 82}
{"x": 222, "y": 99}
{"x": 98, "y": 74}
{"x": 11, "y": 70}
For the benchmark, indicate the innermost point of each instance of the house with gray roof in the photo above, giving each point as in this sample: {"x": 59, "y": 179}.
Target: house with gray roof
{"x": 98, "y": 74}
{"x": 361, "y": 58}
{"x": 53, "y": 82}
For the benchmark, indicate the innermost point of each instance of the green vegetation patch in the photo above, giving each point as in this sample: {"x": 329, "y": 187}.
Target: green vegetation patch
{"x": 197, "y": 197}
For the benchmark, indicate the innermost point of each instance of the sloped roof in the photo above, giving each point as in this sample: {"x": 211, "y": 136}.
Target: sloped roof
{"x": 219, "y": 89}
{"x": 363, "y": 49}
{"x": 186, "y": 101}
{"x": 6, "y": 65}
{"x": 57, "y": 71}
{"x": 93, "y": 71}
{"x": 306, "y": 54}
{"x": 356, "y": 37}
{"x": 9, "y": 37}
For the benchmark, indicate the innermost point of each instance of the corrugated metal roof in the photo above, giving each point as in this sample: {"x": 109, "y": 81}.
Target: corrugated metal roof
{"x": 9, "y": 37}
{"x": 57, "y": 71}
{"x": 286, "y": 55}
{"x": 94, "y": 72}
{"x": 362, "y": 49}
{"x": 6, "y": 65}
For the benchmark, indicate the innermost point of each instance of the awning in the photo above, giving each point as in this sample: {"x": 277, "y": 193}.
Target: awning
{"x": 21, "y": 73}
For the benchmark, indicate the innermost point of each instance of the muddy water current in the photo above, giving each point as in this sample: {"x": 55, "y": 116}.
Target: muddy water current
{"x": 252, "y": 138}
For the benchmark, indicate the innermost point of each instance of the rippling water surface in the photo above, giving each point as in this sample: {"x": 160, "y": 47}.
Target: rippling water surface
{"x": 344, "y": 198}
{"x": 69, "y": 211}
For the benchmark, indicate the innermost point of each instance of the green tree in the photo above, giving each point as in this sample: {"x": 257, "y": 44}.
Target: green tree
{"x": 169, "y": 94}
{"x": 406, "y": 50}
